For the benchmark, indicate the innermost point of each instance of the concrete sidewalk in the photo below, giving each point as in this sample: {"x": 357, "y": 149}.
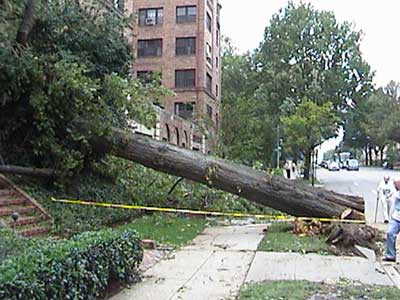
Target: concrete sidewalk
{"x": 316, "y": 268}
{"x": 221, "y": 259}
{"x": 214, "y": 267}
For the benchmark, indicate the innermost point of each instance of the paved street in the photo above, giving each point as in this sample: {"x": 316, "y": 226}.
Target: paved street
{"x": 362, "y": 183}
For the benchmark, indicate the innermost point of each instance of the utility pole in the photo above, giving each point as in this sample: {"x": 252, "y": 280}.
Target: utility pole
{"x": 312, "y": 169}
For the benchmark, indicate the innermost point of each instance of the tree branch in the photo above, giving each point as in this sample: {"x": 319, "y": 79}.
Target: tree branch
{"x": 17, "y": 170}
{"x": 175, "y": 185}
{"x": 27, "y": 22}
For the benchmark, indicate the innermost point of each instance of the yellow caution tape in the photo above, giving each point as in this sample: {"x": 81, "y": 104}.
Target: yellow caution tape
{"x": 205, "y": 213}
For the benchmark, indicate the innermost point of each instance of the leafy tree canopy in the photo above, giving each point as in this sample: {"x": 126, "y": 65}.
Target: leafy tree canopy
{"x": 307, "y": 54}
{"x": 308, "y": 127}
{"x": 245, "y": 130}
{"x": 376, "y": 119}
{"x": 74, "y": 68}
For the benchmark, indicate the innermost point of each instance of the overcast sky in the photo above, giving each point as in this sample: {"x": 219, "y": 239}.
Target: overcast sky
{"x": 244, "y": 22}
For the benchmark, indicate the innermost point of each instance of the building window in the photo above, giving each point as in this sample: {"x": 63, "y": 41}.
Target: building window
{"x": 186, "y": 14}
{"x": 185, "y": 46}
{"x": 185, "y": 79}
{"x": 209, "y": 82}
{"x": 150, "y": 48}
{"x": 217, "y": 37}
{"x": 217, "y": 90}
{"x": 145, "y": 77}
{"x": 197, "y": 139}
{"x": 167, "y": 133}
{"x": 151, "y": 16}
{"x": 208, "y": 22}
{"x": 209, "y": 53}
{"x": 209, "y": 112}
{"x": 185, "y": 110}
{"x": 177, "y": 136}
{"x": 148, "y": 77}
{"x": 217, "y": 62}
{"x": 119, "y": 4}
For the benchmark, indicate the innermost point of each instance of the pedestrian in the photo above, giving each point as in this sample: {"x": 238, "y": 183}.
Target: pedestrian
{"x": 385, "y": 192}
{"x": 394, "y": 226}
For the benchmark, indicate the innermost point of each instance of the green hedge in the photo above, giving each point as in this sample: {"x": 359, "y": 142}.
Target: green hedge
{"x": 11, "y": 244}
{"x": 79, "y": 268}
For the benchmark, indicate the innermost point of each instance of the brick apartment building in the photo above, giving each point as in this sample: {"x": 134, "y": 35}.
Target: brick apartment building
{"x": 180, "y": 41}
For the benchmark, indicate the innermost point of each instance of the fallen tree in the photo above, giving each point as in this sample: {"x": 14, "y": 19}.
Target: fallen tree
{"x": 259, "y": 187}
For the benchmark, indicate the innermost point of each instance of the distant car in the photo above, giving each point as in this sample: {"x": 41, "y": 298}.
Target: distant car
{"x": 353, "y": 165}
{"x": 387, "y": 165}
{"x": 333, "y": 166}
{"x": 324, "y": 164}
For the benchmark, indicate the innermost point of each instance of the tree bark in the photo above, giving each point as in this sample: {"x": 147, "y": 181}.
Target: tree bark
{"x": 376, "y": 150}
{"x": 382, "y": 150}
{"x": 27, "y": 22}
{"x": 307, "y": 164}
{"x": 370, "y": 156}
{"x": 259, "y": 187}
{"x": 17, "y": 170}
{"x": 345, "y": 238}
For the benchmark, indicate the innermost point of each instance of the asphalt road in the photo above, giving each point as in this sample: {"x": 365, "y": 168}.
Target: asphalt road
{"x": 361, "y": 183}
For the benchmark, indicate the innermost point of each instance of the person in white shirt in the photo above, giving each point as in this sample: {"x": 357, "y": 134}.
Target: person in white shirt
{"x": 385, "y": 192}
{"x": 394, "y": 226}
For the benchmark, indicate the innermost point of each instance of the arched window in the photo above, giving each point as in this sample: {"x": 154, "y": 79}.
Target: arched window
{"x": 177, "y": 136}
{"x": 168, "y": 134}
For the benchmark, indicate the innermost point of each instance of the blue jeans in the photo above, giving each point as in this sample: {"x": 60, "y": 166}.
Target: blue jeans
{"x": 394, "y": 229}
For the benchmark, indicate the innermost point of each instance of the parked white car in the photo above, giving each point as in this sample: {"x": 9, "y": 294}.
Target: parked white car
{"x": 333, "y": 166}
{"x": 352, "y": 164}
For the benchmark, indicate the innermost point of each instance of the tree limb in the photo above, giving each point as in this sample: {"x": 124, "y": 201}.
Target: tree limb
{"x": 27, "y": 22}
{"x": 175, "y": 185}
{"x": 18, "y": 170}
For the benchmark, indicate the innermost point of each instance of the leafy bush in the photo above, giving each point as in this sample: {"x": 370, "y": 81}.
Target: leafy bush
{"x": 80, "y": 268}
{"x": 11, "y": 244}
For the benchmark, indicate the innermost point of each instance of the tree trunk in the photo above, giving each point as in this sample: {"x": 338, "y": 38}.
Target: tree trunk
{"x": 259, "y": 187}
{"x": 17, "y": 170}
{"x": 345, "y": 238}
{"x": 27, "y": 22}
{"x": 307, "y": 165}
{"x": 376, "y": 150}
{"x": 370, "y": 156}
{"x": 366, "y": 156}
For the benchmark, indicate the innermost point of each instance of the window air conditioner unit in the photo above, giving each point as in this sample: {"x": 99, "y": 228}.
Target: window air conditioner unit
{"x": 150, "y": 21}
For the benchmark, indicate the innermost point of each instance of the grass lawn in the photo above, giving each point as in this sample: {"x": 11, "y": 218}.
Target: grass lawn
{"x": 303, "y": 290}
{"x": 279, "y": 238}
{"x": 167, "y": 229}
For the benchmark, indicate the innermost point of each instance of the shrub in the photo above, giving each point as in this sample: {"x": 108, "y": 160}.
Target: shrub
{"x": 80, "y": 268}
{"x": 11, "y": 244}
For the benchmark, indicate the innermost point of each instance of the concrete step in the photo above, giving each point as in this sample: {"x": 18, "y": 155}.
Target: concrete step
{"x": 35, "y": 231}
{"x": 4, "y": 202}
{"x": 4, "y": 212}
{"x": 6, "y": 192}
{"x": 25, "y": 221}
